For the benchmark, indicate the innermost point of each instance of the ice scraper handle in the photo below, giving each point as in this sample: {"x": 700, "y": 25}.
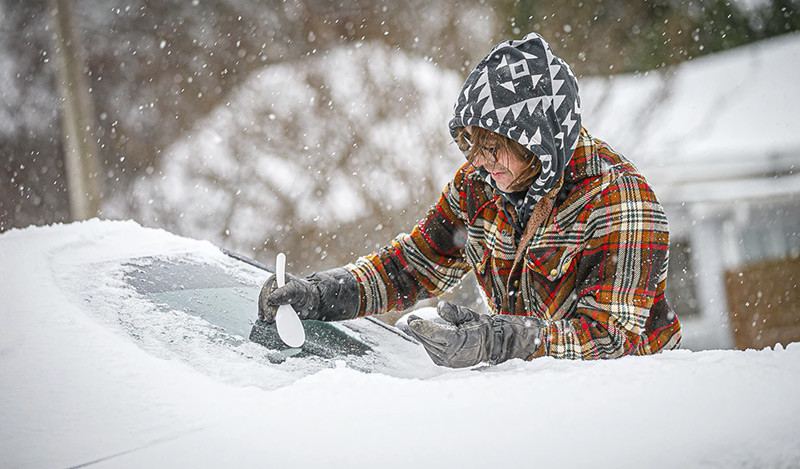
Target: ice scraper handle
{"x": 280, "y": 269}
{"x": 331, "y": 295}
{"x": 290, "y": 329}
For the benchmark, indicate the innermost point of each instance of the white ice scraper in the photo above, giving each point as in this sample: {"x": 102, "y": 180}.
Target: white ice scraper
{"x": 290, "y": 329}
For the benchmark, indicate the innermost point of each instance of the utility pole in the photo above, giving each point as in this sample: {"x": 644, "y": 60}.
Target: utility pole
{"x": 77, "y": 116}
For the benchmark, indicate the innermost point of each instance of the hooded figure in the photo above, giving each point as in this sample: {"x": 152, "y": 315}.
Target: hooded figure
{"x": 522, "y": 91}
{"x": 566, "y": 239}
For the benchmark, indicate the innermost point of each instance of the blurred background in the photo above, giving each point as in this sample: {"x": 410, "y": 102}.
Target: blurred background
{"x": 319, "y": 128}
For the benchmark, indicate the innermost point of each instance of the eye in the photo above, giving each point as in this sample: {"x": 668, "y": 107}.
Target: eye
{"x": 490, "y": 150}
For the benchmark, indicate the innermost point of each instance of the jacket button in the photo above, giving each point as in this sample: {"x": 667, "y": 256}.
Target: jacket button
{"x": 554, "y": 272}
{"x": 516, "y": 283}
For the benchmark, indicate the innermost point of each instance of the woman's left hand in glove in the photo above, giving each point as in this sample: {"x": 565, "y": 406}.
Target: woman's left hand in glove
{"x": 471, "y": 338}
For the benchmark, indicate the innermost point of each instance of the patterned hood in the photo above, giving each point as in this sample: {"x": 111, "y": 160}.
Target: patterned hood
{"x": 524, "y": 92}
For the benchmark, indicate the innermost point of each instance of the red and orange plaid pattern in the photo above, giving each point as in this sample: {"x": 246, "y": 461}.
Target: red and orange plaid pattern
{"x": 593, "y": 275}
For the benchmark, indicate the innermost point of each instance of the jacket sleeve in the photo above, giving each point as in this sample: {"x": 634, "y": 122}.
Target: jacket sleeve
{"x": 621, "y": 275}
{"x": 428, "y": 262}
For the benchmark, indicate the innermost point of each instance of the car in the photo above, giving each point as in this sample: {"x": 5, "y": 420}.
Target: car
{"x": 198, "y": 303}
{"x": 127, "y": 346}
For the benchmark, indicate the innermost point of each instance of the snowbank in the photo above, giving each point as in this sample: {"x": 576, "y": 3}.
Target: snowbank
{"x": 75, "y": 392}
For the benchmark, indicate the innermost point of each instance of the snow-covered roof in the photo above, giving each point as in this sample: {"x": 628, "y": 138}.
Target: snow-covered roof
{"x": 725, "y": 116}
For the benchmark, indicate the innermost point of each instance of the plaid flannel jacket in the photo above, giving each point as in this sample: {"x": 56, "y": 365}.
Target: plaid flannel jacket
{"x": 593, "y": 276}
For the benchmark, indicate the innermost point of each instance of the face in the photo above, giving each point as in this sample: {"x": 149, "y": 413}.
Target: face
{"x": 503, "y": 167}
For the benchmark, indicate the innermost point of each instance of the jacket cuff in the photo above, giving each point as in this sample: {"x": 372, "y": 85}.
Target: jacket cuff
{"x": 372, "y": 291}
{"x": 516, "y": 337}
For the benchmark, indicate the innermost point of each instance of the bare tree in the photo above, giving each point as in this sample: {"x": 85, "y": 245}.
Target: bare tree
{"x": 77, "y": 116}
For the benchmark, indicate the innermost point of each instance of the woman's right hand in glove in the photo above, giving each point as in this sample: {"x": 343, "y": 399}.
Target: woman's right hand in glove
{"x": 331, "y": 295}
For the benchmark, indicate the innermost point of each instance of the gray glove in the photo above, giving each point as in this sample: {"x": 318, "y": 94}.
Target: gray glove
{"x": 475, "y": 338}
{"x": 331, "y": 295}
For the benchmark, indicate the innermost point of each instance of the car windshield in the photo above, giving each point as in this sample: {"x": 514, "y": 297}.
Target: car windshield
{"x": 229, "y": 302}
{"x": 197, "y": 304}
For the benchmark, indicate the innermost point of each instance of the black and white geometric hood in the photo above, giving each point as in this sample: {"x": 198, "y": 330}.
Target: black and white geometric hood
{"x": 524, "y": 92}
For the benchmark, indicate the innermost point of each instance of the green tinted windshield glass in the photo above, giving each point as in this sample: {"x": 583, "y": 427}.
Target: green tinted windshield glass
{"x": 209, "y": 292}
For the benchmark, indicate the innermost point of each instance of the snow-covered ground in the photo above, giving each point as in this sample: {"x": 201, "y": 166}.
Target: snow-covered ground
{"x": 75, "y": 391}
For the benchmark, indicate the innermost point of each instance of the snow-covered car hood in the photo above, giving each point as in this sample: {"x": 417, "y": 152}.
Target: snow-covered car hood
{"x": 96, "y": 373}
{"x": 185, "y": 300}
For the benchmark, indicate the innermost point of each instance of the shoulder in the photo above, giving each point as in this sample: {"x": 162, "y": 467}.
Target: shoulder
{"x": 606, "y": 187}
{"x": 601, "y": 171}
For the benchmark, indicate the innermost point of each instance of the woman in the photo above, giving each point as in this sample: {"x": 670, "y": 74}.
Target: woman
{"x": 567, "y": 240}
